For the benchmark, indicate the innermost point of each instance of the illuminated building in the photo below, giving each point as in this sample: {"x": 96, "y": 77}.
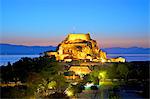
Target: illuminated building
{"x": 118, "y": 59}
{"x": 79, "y": 47}
{"x": 80, "y": 69}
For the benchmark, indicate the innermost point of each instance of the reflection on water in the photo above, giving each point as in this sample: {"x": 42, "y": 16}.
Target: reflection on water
{"x": 4, "y": 59}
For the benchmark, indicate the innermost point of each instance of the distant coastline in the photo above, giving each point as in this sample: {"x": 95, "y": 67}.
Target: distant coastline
{"x": 12, "y": 53}
{"x": 12, "y": 49}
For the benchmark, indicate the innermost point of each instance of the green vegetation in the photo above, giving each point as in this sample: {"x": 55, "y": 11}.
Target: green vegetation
{"x": 37, "y": 74}
{"x": 43, "y": 77}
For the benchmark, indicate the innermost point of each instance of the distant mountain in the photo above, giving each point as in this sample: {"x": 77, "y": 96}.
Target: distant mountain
{"x": 9, "y": 49}
{"x": 130, "y": 50}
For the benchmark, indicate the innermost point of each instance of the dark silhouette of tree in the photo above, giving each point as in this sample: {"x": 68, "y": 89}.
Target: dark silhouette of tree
{"x": 112, "y": 71}
{"x": 123, "y": 70}
{"x": 57, "y": 95}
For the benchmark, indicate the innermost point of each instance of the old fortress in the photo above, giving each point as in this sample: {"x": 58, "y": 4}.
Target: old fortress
{"x": 79, "y": 46}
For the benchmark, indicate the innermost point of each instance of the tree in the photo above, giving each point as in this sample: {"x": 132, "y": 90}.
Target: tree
{"x": 57, "y": 95}
{"x": 73, "y": 90}
{"x": 94, "y": 76}
{"x": 123, "y": 71}
{"x": 33, "y": 81}
{"x": 52, "y": 85}
{"x": 50, "y": 78}
{"x": 112, "y": 71}
{"x": 102, "y": 75}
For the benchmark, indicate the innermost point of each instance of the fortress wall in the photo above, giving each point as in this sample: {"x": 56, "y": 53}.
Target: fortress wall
{"x": 75, "y": 44}
{"x": 78, "y": 36}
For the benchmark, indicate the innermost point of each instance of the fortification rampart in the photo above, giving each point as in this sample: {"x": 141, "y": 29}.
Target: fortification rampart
{"x": 72, "y": 37}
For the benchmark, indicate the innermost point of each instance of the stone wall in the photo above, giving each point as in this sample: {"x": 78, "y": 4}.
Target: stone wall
{"x": 81, "y": 46}
{"x": 72, "y": 37}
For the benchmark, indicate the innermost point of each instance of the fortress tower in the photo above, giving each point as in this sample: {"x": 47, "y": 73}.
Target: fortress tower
{"x": 73, "y": 37}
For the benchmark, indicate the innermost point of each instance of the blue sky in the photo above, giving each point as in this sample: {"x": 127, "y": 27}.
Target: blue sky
{"x": 113, "y": 23}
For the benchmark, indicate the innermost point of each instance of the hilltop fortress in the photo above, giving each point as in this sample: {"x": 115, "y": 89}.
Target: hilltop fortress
{"x": 81, "y": 47}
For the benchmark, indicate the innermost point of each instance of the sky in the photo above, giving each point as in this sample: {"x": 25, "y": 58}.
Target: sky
{"x": 112, "y": 23}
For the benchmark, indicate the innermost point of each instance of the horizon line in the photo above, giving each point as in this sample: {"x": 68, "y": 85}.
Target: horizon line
{"x": 57, "y": 45}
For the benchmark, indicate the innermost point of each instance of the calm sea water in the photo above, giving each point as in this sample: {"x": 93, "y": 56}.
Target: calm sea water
{"x": 4, "y": 59}
{"x": 131, "y": 57}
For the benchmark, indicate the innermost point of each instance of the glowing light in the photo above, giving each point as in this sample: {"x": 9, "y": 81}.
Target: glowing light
{"x": 103, "y": 60}
{"x": 88, "y": 85}
{"x": 81, "y": 46}
{"x": 106, "y": 83}
{"x": 102, "y": 74}
{"x": 76, "y": 46}
{"x": 69, "y": 92}
{"x": 52, "y": 84}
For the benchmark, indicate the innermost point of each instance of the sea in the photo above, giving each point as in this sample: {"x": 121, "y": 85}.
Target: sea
{"x": 4, "y": 59}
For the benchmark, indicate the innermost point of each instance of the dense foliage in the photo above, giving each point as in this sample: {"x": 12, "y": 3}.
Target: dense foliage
{"x": 43, "y": 76}
{"x": 36, "y": 74}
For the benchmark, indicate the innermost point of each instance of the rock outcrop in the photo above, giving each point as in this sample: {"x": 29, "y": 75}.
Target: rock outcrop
{"x": 79, "y": 47}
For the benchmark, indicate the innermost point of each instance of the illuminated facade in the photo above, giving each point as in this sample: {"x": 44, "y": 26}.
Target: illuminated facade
{"x": 79, "y": 47}
{"x": 118, "y": 59}
{"x": 80, "y": 69}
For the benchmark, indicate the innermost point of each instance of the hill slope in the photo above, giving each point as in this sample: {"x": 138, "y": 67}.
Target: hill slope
{"x": 8, "y": 49}
{"x": 130, "y": 50}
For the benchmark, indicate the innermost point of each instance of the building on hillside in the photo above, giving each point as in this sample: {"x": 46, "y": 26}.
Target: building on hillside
{"x": 79, "y": 47}
{"x": 118, "y": 59}
{"x": 79, "y": 70}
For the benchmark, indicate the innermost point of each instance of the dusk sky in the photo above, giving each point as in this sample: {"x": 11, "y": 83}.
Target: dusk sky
{"x": 112, "y": 23}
